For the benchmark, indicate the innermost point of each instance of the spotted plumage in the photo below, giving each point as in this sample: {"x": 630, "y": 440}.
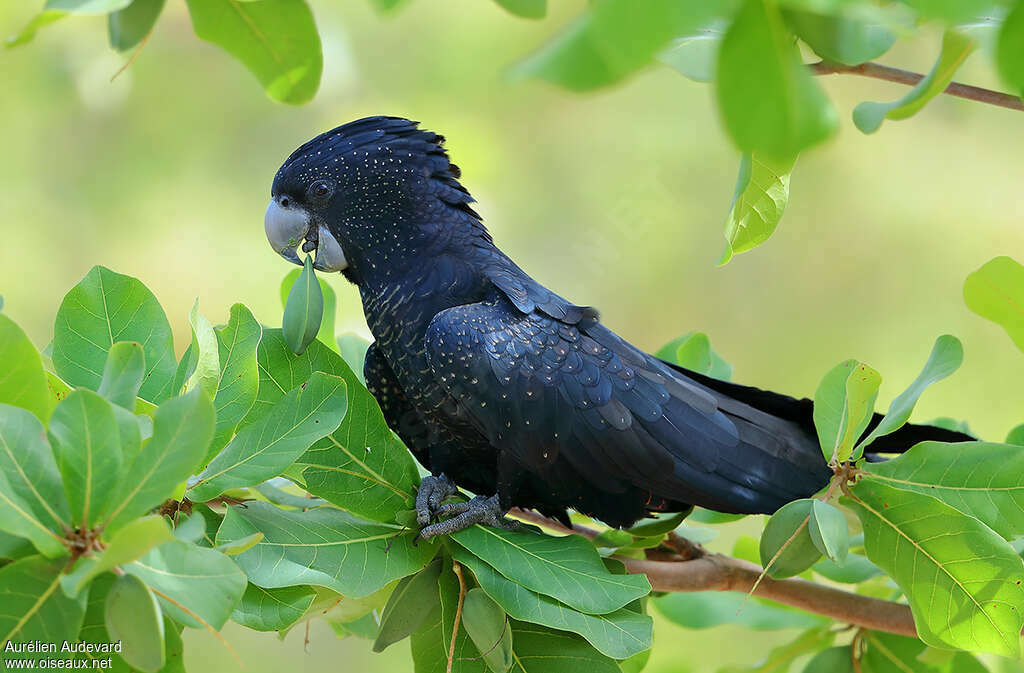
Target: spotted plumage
{"x": 504, "y": 386}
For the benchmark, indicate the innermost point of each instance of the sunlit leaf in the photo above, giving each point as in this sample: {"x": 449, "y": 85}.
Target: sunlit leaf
{"x": 695, "y": 55}
{"x": 276, "y": 40}
{"x": 996, "y": 292}
{"x": 762, "y": 192}
{"x": 28, "y": 33}
{"x": 1010, "y": 48}
{"x": 689, "y": 344}
{"x": 956, "y": 47}
{"x": 771, "y": 105}
{"x": 104, "y": 308}
{"x": 961, "y": 579}
{"x": 528, "y": 9}
{"x": 239, "y": 381}
{"x": 843, "y": 405}
{"x": 23, "y": 380}
{"x": 206, "y": 374}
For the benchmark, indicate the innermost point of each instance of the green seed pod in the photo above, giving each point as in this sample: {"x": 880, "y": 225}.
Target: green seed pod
{"x": 303, "y": 311}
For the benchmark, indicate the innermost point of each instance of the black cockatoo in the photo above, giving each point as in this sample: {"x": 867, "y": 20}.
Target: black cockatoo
{"x": 499, "y": 385}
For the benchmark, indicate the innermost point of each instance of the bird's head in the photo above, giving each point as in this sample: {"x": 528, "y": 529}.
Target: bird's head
{"x": 366, "y": 193}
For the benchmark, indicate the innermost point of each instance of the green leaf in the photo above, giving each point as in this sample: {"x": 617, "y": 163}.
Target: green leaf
{"x": 1010, "y": 49}
{"x": 123, "y": 374}
{"x": 706, "y": 609}
{"x": 323, "y": 547}
{"x": 854, "y": 35}
{"x": 352, "y": 348}
{"x": 128, "y": 544}
{"x": 34, "y": 606}
{"x": 786, "y": 546}
{"x": 197, "y": 587}
{"x": 829, "y": 531}
{"x": 996, "y": 293}
{"x": 28, "y": 33}
{"x": 565, "y": 568}
{"x": 133, "y": 617}
{"x": 769, "y": 101}
{"x": 660, "y": 525}
{"x": 23, "y": 380}
{"x": 946, "y": 356}
{"x": 412, "y": 601}
{"x": 128, "y": 27}
{"x": 385, "y": 6}
{"x": 701, "y": 515}
{"x": 264, "y": 449}
{"x": 855, "y": 569}
{"x": 240, "y": 545}
{"x": 284, "y": 498}
{"x": 1016, "y": 435}
{"x": 488, "y": 628}
{"x": 430, "y": 643}
{"x": 982, "y": 479}
{"x": 611, "y": 40}
{"x": 972, "y": 598}
{"x": 762, "y": 192}
{"x": 104, "y": 308}
{"x": 694, "y": 55}
{"x": 362, "y": 466}
{"x": 618, "y": 634}
{"x": 843, "y": 405}
{"x": 304, "y": 310}
{"x": 182, "y": 428}
{"x": 86, "y": 442}
{"x": 528, "y": 9}
{"x": 272, "y": 609}
{"x": 541, "y": 650}
{"x": 239, "y": 374}
{"x": 673, "y": 350}
{"x": 956, "y": 47}
{"x": 13, "y": 547}
{"x": 950, "y": 11}
{"x": 204, "y": 341}
{"x": 330, "y": 309}
{"x": 889, "y": 653}
{"x": 833, "y": 660}
{"x": 32, "y": 500}
{"x": 276, "y": 40}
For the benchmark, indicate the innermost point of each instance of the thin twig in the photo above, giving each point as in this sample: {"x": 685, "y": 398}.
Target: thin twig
{"x": 457, "y": 568}
{"x": 890, "y": 74}
{"x": 135, "y": 55}
{"x": 541, "y": 520}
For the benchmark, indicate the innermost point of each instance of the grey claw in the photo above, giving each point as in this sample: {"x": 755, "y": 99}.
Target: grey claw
{"x": 480, "y": 509}
{"x": 432, "y": 492}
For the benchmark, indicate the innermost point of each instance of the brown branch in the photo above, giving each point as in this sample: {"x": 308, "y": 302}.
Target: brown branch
{"x": 457, "y": 568}
{"x": 889, "y": 74}
{"x": 714, "y": 572}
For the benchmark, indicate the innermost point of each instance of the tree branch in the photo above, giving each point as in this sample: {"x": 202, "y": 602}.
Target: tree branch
{"x": 889, "y": 74}
{"x": 714, "y": 572}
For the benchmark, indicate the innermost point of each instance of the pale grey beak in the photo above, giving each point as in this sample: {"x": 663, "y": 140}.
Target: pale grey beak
{"x": 286, "y": 227}
{"x": 329, "y": 256}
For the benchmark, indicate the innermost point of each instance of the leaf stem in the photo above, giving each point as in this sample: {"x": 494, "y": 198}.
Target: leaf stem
{"x": 457, "y": 568}
{"x": 890, "y": 74}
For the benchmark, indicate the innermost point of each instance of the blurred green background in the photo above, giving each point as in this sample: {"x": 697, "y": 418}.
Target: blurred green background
{"x": 614, "y": 199}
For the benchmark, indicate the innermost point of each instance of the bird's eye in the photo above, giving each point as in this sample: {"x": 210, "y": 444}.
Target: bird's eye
{"x": 320, "y": 189}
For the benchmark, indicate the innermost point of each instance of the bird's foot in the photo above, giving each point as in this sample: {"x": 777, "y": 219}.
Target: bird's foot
{"x": 432, "y": 492}
{"x": 480, "y": 509}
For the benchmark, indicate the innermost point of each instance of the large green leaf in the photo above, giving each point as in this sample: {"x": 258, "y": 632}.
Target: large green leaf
{"x": 34, "y": 607}
{"x": 1010, "y": 49}
{"x": 611, "y": 40}
{"x": 264, "y": 449}
{"x": 197, "y": 587}
{"x": 410, "y": 603}
{"x": 132, "y": 617}
{"x": 272, "y": 609}
{"x": 956, "y": 47}
{"x": 762, "y": 192}
{"x": 362, "y": 466}
{"x": 769, "y": 101}
{"x": 488, "y": 628}
{"x": 854, "y": 35}
{"x": 104, "y": 308}
{"x": 207, "y": 353}
{"x": 963, "y": 581}
{"x": 694, "y": 55}
{"x": 239, "y": 373}
{"x": 843, "y": 405}
{"x": 322, "y": 547}
{"x": 951, "y": 11}
{"x": 786, "y": 547}
{"x": 618, "y": 634}
{"x": 32, "y": 500}
{"x": 86, "y": 442}
{"x": 128, "y": 544}
{"x": 330, "y": 306}
{"x": 689, "y": 351}
{"x": 28, "y": 33}
{"x": 996, "y": 292}
{"x": 537, "y": 649}
{"x": 431, "y": 642}
{"x": 565, "y": 568}
{"x": 128, "y": 27}
{"x": 23, "y": 380}
{"x": 276, "y": 40}
{"x": 982, "y": 479}
{"x": 123, "y": 374}
{"x": 706, "y": 609}
{"x": 182, "y": 428}
{"x": 946, "y": 356}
